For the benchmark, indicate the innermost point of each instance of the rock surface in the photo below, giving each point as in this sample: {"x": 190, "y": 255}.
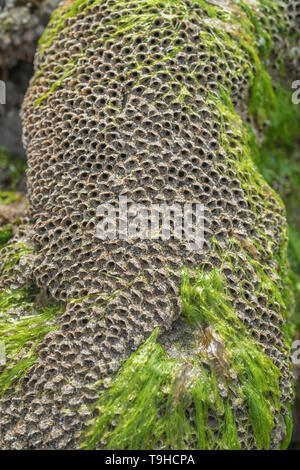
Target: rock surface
{"x": 144, "y": 101}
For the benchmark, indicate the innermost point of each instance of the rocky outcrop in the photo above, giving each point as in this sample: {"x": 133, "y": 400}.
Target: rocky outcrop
{"x": 152, "y": 101}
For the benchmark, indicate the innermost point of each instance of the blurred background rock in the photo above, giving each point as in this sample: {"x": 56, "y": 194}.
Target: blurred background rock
{"x": 21, "y": 24}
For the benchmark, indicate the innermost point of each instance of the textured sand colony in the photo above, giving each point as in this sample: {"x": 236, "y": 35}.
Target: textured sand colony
{"x": 126, "y": 101}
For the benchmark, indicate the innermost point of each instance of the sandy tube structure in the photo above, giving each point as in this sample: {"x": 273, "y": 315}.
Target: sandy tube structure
{"x": 21, "y": 24}
{"x": 143, "y": 343}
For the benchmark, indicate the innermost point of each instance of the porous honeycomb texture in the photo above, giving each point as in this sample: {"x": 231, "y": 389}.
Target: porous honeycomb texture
{"x": 141, "y": 99}
{"x": 21, "y": 24}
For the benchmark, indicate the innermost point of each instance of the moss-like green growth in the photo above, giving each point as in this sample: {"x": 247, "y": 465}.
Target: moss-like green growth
{"x": 206, "y": 301}
{"x": 6, "y": 233}
{"x": 278, "y": 159}
{"x": 262, "y": 97}
{"x": 57, "y": 23}
{"x": 263, "y": 35}
{"x": 288, "y": 419}
{"x": 12, "y": 168}
{"x": 161, "y": 401}
{"x": 224, "y": 20}
{"x": 169, "y": 388}
{"x": 23, "y": 325}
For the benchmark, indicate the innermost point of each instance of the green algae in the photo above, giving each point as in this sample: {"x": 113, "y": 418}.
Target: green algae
{"x": 261, "y": 96}
{"x": 7, "y": 197}
{"x": 288, "y": 419}
{"x": 57, "y": 22}
{"x": 124, "y": 402}
{"x": 6, "y": 233}
{"x": 173, "y": 388}
{"x": 206, "y": 301}
{"x": 242, "y": 155}
{"x": 23, "y": 321}
{"x": 12, "y": 169}
{"x": 14, "y": 254}
{"x": 151, "y": 377}
{"x": 15, "y": 298}
{"x": 274, "y": 158}
{"x": 238, "y": 151}
{"x": 66, "y": 73}
{"x": 92, "y": 300}
{"x": 235, "y": 24}
{"x": 264, "y": 39}
{"x": 23, "y": 325}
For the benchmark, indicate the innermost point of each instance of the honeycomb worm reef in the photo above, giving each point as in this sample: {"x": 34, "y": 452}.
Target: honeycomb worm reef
{"x": 142, "y": 343}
